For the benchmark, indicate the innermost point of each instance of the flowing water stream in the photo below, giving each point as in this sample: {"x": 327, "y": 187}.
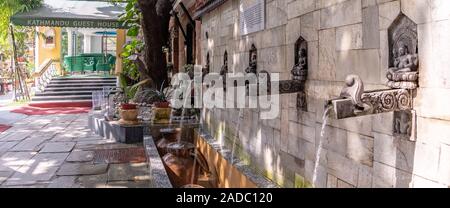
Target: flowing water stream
{"x": 320, "y": 147}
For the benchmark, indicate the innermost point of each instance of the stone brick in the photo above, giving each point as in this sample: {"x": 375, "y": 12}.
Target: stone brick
{"x": 365, "y": 177}
{"x": 297, "y": 8}
{"x": 310, "y": 24}
{"x": 345, "y": 13}
{"x": 444, "y": 165}
{"x": 360, "y": 148}
{"x": 426, "y": 161}
{"x": 388, "y": 13}
{"x": 327, "y": 56}
{"x": 394, "y": 152}
{"x": 342, "y": 168}
{"x": 388, "y": 177}
{"x": 370, "y": 30}
{"x": 343, "y": 184}
{"x": 365, "y": 63}
{"x": 419, "y": 182}
{"x": 418, "y": 11}
{"x": 332, "y": 181}
{"x": 349, "y": 37}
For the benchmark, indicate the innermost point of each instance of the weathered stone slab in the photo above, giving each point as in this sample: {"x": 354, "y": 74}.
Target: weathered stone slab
{"x": 16, "y": 136}
{"x": 128, "y": 172}
{"x": 91, "y": 181}
{"x": 14, "y": 160}
{"x": 58, "y": 147}
{"x": 80, "y": 156}
{"x": 5, "y": 146}
{"x": 4, "y": 175}
{"x": 29, "y": 144}
{"x": 78, "y": 169}
{"x": 63, "y": 182}
{"x": 42, "y": 167}
{"x": 129, "y": 184}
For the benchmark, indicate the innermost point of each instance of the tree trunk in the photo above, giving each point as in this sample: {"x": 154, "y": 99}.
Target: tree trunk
{"x": 155, "y": 26}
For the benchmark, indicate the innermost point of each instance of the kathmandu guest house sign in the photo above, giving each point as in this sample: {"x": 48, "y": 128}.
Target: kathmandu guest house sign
{"x": 75, "y": 23}
{"x": 252, "y": 16}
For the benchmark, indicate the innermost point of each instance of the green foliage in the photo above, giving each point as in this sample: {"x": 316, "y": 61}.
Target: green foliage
{"x": 130, "y": 91}
{"x": 129, "y": 53}
{"x": 131, "y": 17}
{"x": 7, "y": 9}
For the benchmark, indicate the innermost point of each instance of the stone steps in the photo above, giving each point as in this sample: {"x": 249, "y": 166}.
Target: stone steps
{"x": 76, "y": 89}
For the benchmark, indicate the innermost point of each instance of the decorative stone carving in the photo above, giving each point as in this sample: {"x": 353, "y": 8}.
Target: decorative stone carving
{"x": 302, "y": 103}
{"x": 403, "y": 124}
{"x": 403, "y": 58}
{"x": 224, "y": 69}
{"x": 300, "y": 70}
{"x": 253, "y": 61}
{"x": 206, "y": 69}
{"x": 291, "y": 86}
{"x": 355, "y": 102}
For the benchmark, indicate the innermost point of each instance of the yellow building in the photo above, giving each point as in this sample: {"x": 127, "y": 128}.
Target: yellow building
{"x": 73, "y": 28}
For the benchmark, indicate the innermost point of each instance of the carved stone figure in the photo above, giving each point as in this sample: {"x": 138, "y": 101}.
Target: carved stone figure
{"x": 224, "y": 69}
{"x": 354, "y": 90}
{"x": 300, "y": 70}
{"x": 252, "y": 68}
{"x": 403, "y": 58}
{"x": 404, "y": 61}
{"x": 206, "y": 68}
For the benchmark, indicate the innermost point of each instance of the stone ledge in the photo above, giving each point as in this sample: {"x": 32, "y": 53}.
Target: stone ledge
{"x": 158, "y": 173}
{"x": 251, "y": 174}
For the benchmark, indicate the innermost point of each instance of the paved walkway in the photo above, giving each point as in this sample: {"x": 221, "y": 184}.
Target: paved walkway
{"x": 58, "y": 151}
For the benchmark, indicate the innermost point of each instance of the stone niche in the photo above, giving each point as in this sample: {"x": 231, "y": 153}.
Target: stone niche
{"x": 224, "y": 69}
{"x": 403, "y": 72}
{"x": 253, "y": 61}
{"x": 403, "y": 54}
{"x": 300, "y": 71}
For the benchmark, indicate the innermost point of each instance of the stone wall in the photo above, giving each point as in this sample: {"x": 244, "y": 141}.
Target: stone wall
{"x": 344, "y": 37}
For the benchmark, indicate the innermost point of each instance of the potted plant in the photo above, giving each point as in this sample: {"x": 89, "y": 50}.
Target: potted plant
{"x": 162, "y": 110}
{"x": 128, "y": 111}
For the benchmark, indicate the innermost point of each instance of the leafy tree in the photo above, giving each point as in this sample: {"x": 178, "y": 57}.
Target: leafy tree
{"x": 7, "y": 9}
{"x": 149, "y": 18}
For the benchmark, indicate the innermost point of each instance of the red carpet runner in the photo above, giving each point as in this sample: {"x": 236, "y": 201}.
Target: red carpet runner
{"x": 54, "y": 108}
{"x": 4, "y": 127}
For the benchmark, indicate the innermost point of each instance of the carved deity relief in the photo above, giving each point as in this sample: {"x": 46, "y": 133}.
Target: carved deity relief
{"x": 206, "y": 68}
{"x": 224, "y": 69}
{"x": 403, "y": 124}
{"x": 253, "y": 60}
{"x": 300, "y": 69}
{"x": 403, "y": 54}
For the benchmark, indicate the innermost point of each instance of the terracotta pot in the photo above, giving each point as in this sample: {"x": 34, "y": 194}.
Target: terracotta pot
{"x": 180, "y": 163}
{"x": 128, "y": 106}
{"x": 161, "y": 115}
{"x": 169, "y": 135}
{"x": 128, "y": 116}
{"x": 162, "y": 104}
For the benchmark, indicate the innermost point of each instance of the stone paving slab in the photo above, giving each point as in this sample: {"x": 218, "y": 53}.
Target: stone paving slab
{"x": 41, "y": 168}
{"x": 128, "y": 172}
{"x": 14, "y": 160}
{"x": 63, "y": 182}
{"x": 92, "y": 181}
{"x": 57, "y": 147}
{"x": 16, "y": 136}
{"x": 61, "y": 138}
{"x": 5, "y": 146}
{"x": 129, "y": 184}
{"x": 30, "y": 144}
{"x": 5, "y": 175}
{"x": 78, "y": 169}
{"x": 80, "y": 156}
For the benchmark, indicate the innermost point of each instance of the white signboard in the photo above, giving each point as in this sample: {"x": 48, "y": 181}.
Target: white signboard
{"x": 252, "y": 16}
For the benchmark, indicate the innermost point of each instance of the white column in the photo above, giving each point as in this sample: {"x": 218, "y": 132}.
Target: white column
{"x": 87, "y": 43}
{"x": 36, "y": 50}
{"x": 69, "y": 42}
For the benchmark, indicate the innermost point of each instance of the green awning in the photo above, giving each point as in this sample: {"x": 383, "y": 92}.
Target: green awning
{"x": 72, "y": 13}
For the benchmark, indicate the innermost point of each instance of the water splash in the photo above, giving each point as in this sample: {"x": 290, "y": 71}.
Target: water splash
{"x": 320, "y": 147}
{"x": 235, "y": 138}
